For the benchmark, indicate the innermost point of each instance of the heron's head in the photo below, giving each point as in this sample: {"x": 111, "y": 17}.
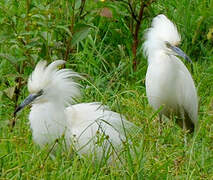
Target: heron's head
{"x": 163, "y": 36}
{"x": 50, "y": 84}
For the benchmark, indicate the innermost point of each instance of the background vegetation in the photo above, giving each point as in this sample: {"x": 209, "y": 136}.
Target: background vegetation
{"x": 98, "y": 39}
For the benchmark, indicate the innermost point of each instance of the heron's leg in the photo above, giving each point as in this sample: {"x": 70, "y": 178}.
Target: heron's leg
{"x": 160, "y": 124}
{"x": 184, "y": 127}
{"x": 185, "y": 132}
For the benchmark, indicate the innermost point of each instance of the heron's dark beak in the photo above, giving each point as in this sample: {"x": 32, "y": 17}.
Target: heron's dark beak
{"x": 179, "y": 52}
{"x": 27, "y": 101}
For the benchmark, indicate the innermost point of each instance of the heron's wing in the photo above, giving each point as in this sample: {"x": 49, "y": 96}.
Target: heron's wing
{"x": 187, "y": 93}
{"x": 81, "y": 116}
{"x": 96, "y": 130}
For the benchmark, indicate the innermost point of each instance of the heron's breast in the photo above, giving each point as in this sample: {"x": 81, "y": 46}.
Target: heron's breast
{"x": 47, "y": 123}
{"x": 161, "y": 87}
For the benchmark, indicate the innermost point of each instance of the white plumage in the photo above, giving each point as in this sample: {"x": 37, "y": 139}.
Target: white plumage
{"x": 168, "y": 81}
{"x": 84, "y": 125}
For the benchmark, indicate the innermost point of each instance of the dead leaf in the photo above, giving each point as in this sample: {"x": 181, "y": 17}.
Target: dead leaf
{"x": 10, "y": 92}
{"x": 106, "y": 12}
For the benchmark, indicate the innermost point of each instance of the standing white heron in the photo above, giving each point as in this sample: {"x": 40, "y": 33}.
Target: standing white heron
{"x": 169, "y": 84}
{"x": 90, "y": 128}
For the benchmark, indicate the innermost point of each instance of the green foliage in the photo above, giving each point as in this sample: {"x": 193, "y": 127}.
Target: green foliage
{"x": 100, "y": 48}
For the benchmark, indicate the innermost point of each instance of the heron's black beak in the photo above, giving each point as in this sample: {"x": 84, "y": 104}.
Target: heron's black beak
{"x": 27, "y": 101}
{"x": 179, "y": 52}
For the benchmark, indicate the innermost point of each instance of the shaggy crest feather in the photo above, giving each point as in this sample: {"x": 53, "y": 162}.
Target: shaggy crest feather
{"x": 162, "y": 30}
{"x": 57, "y": 84}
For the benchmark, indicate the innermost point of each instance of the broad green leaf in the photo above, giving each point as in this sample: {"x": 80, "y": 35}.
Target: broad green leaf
{"x": 77, "y": 4}
{"x": 39, "y": 16}
{"x": 27, "y": 33}
{"x": 41, "y": 24}
{"x": 81, "y": 32}
{"x": 65, "y": 29}
{"x": 45, "y": 35}
{"x": 10, "y": 58}
{"x": 43, "y": 51}
{"x": 1, "y": 93}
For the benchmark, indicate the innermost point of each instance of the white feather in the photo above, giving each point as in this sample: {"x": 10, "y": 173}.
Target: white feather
{"x": 168, "y": 81}
{"x": 82, "y": 124}
{"x": 59, "y": 85}
{"x": 91, "y": 121}
{"x": 161, "y": 30}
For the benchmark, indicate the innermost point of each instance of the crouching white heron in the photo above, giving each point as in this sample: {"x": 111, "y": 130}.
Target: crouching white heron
{"x": 168, "y": 82}
{"x": 90, "y": 128}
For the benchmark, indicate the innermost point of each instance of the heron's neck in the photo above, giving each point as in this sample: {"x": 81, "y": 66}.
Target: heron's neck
{"x": 158, "y": 55}
{"x": 48, "y": 122}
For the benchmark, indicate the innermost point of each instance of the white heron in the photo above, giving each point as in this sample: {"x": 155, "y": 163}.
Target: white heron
{"x": 168, "y": 82}
{"x": 90, "y": 128}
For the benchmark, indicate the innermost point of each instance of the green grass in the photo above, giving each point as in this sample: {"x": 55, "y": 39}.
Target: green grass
{"x": 104, "y": 57}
